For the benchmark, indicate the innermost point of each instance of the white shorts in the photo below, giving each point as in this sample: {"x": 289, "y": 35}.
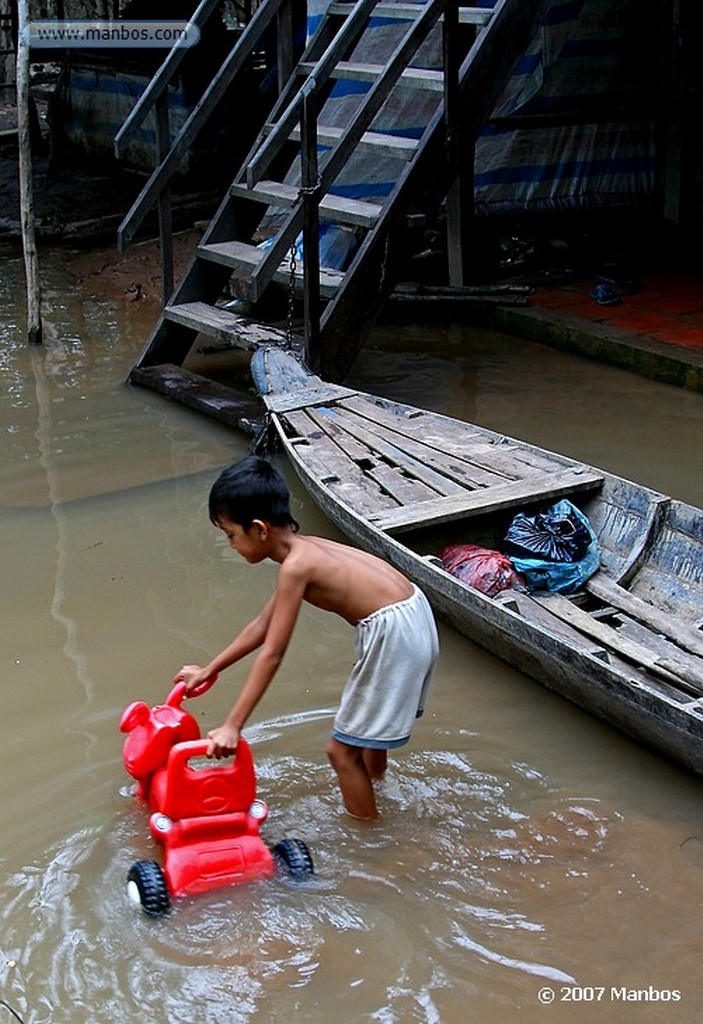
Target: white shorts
{"x": 397, "y": 647}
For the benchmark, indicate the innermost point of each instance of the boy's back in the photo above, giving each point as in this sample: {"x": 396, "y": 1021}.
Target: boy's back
{"x": 342, "y": 579}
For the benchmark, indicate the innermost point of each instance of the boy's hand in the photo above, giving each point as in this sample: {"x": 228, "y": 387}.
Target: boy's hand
{"x": 223, "y": 741}
{"x": 193, "y": 676}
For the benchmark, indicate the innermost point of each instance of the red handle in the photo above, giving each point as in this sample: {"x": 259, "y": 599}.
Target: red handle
{"x": 178, "y": 693}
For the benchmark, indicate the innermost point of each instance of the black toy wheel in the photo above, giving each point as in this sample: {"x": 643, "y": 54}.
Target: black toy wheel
{"x": 146, "y": 885}
{"x": 293, "y": 858}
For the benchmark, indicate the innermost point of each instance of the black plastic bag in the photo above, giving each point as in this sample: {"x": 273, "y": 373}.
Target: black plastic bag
{"x": 556, "y": 534}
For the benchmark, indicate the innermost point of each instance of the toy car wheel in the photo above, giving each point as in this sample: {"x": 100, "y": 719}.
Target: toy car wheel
{"x": 293, "y": 858}
{"x": 146, "y": 885}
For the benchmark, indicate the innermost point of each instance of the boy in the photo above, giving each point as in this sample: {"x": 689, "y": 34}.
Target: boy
{"x": 396, "y": 635}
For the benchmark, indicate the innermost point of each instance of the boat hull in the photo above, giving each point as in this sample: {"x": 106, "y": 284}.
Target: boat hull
{"x": 403, "y": 482}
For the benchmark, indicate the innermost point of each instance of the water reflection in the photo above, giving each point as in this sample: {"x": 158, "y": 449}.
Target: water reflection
{"x": 522, "y": 843}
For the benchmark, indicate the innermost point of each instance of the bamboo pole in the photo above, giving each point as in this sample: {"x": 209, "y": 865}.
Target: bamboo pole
{"x": 29, "y": 247}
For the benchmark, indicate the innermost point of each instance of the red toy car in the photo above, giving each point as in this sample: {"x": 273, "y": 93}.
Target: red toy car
{"x": 205, "y": 816}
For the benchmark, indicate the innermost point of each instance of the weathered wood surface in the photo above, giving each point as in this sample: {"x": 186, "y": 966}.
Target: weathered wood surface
{"x": 686, "y": 637}
{"x": 29, "y": 241}
{"x": 339, "y": 209}
{"x": 488, "y": 499}
{"x": 227, "y": 327}
{"x": 683, "y": 670}
{"x": 222, "y": 403}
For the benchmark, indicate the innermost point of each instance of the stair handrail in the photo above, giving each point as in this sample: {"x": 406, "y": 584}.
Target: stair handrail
{"x": 257, "y": 167}
{"x": 160, "y": 81}
{"x": 415, "y": 36}
{"x": 230, "y": 68}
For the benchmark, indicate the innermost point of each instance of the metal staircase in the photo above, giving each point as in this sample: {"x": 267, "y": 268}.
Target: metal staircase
{"x": 292, "y": 180}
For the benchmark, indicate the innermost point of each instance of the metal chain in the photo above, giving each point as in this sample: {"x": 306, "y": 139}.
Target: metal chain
{"x": 303, "y": 190}
{"x": 291, "y": 295}
{"x": 384, "y": 261}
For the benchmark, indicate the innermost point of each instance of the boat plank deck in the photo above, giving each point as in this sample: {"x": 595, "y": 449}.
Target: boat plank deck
{"x": 456, "y": 438}
{"x": 333, "y": 469}
{"x": 685, "y": 636}
{"x": 682, "y": 671}
{"x": 438, "y": 482}
{"x": 460, "y": 469}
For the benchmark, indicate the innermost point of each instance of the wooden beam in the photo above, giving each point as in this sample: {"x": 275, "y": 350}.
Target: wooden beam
{"x": 682, "y": 671}
{"x": 687, "y": 637}
{"x": 216, "y": 400}
{"x": 29, "y": 244}
{"x": 540, "y": 487}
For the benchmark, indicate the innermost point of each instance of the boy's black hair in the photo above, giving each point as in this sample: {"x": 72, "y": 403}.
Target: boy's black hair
{"x": 248, "y": 490}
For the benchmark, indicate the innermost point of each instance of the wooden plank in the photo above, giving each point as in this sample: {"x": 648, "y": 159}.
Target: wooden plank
{"x": 222, "y": 403}
{"x": 227, "y": 327}
{"x": 406, "y": 12}
{"x": 332, "y": 208}
{"x": 424, "y": 79}
{"x": 403, "y": 488}
{"x": 354, "y": 450}
{"x": 544, "y": 487}
{"x": 683, "y": 671}
{"x": 504, "y": 457}
{"x": 463, "y": 472}
{"x": 406, "y": 490}
{"x": 246, "y": 258}
{"x": 438, "y": 482}
{"x": 331, "y": 468}
{"x": 304, "y": 398}
{"x": 686, "y": 637}
{"x": 382, "y": 144}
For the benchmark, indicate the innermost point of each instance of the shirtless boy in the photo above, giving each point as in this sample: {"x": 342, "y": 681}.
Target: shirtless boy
{"x": 396, "y": 637}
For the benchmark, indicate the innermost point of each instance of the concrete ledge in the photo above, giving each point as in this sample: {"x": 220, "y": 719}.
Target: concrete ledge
{"x": 672, "y": 364}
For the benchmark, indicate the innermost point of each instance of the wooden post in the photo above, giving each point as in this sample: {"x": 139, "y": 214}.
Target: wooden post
{"x": 163, "y": 142}
{"x": 310, "y": 185}
{"x": 461, "y": 190}
{"x": 31, "y": 263}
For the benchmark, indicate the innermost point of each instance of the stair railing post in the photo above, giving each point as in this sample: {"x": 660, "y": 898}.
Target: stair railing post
{"x": 460, "y": 195}
{"x": 163, "y": 142}
{"x": 310, "y": 187}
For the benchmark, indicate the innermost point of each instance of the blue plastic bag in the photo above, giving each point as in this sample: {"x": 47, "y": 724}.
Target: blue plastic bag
{"x": 561, "y": 577}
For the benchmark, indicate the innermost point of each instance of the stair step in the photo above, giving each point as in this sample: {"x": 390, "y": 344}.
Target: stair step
{"x": 332, "y": 208}
{"x": 235, "y": 408}
{"x": 467, "y": 15}
{"x": 242, "y": 257}
{"x": 227, "y": 327}
{"x": 418, "y": 78}
{"x": 382, "y": 144}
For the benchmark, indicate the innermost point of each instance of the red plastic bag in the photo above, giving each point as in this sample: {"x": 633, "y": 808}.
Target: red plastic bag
{"x": 483, "y": 569}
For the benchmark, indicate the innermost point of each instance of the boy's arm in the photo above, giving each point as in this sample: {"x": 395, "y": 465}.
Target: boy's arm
{"x": 246, "y": 641}
{"x": 283, "y": 612}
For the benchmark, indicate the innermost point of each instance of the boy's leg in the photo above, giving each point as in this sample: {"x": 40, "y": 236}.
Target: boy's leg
{"x": 376, "y": 762}
{"x": 354, "y": 778}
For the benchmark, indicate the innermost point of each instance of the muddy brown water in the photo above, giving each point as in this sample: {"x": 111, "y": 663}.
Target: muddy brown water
{"x": 530, "y": 862}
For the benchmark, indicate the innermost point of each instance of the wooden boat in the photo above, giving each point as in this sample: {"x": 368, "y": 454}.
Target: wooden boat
{"x": 403, "y": 482}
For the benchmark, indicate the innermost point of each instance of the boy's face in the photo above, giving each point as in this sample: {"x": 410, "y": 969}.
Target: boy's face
{"x": 250, "y": 544}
